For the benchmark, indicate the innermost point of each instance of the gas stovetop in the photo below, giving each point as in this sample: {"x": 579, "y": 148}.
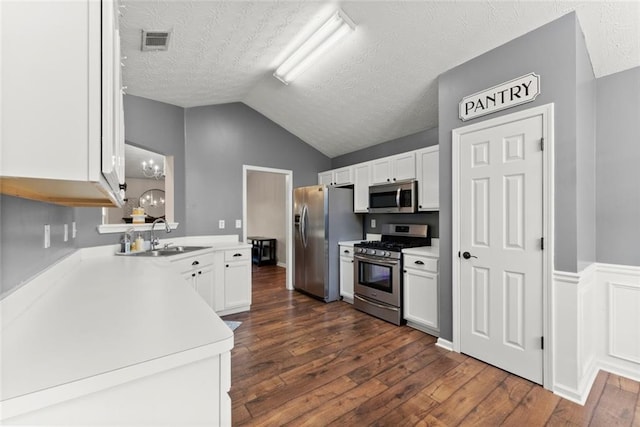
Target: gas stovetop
{"x": 395, "y": 238}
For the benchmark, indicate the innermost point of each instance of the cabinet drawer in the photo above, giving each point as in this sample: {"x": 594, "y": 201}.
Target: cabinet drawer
{"x": 237, "y": 255}
{"x": 190, "y": 263}
{"x": 346, "y": 251}
{"x": 421, "y": 263}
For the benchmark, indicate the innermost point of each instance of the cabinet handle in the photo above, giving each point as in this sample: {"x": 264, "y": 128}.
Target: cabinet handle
{"x": 199, "y": 272}
{"x": 420, "y": 206}
{"x": 404, "y": 271}
{"x": 193, "y": 274}
{"x": 227, "y": 265}
{"x": 388, "y": 180}
{"x": 237, "y": 255}
{"x": 195, "y": 263}
{"x": 346, "y": 251}
{"x": 394, "y": 179}
{"x": 419, "y": 262}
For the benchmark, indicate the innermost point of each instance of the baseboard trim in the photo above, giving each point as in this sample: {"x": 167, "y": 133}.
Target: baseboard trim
{"x": 446, "y": 344}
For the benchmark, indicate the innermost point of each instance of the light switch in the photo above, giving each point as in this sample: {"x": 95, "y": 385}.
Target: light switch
{"x": 221, "y": 223}
{"x": 238, "y": 223}
{"x": 74, "y": 230}
{"x": 373, "y": 223}
{"x": 66, "y": 232}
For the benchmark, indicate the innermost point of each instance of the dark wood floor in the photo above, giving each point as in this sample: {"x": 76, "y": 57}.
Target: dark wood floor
{"x": 298, "y": 361}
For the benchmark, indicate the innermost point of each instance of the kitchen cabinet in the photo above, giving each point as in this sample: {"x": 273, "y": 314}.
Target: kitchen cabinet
{"x": 346, "y": 273}
{"x": 400, "y": 167}
{"x": 198, "y": 272}
{"x": 421, "y": 293}
{"x": 336, "y": 177}
{"x": 62, "y": 124}
{"x": 427, "y": 171}
{"x": 237, "y": 281}
{"x": 361, "y": 181}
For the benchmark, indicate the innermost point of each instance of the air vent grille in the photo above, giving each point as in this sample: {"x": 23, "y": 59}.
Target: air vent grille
{"x": 155, "y": 40}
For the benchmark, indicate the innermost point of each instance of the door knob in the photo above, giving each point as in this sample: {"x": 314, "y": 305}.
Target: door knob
{"x": 467, "y": 255}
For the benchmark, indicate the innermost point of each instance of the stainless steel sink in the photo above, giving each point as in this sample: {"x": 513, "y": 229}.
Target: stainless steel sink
{"x": 171, "y": 250}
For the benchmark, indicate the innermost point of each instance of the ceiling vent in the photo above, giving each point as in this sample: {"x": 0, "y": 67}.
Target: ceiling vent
{"x": 155, "y": 40}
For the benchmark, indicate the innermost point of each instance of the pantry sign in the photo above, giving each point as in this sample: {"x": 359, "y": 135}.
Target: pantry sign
{"x": 506, "y": 95}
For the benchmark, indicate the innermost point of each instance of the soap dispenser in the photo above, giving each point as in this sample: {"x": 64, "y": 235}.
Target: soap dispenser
{"x": 139, "y": 243}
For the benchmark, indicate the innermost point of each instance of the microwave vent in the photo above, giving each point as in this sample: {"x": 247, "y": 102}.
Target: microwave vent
{"x": 155, "y": 40}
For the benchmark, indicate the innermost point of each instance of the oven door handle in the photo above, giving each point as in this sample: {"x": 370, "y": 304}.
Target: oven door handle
{"x": 398, "y": 198}
{"x": 376, "y": 261}
{"x": 368, "y": 301}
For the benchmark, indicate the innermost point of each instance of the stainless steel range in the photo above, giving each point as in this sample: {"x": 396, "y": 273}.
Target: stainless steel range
{"x": 378, "y": 270}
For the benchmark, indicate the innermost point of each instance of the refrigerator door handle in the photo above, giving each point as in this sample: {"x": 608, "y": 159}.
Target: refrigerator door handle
{"x": 303, "y": 225}
{"x": 398, "y": 198}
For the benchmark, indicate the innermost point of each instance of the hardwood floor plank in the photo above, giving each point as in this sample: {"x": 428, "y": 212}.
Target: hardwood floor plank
{"x": 300, "y": 362}
{"x": 500, "y": 403}
{"x": 536, "y": 408}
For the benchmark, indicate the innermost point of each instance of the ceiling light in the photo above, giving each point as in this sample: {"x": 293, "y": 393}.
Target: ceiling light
{"x": 331, "y": 31}
{"x": 151, "y": 170}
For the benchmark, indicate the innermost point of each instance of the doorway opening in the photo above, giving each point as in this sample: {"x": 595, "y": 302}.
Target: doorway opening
{"x": 267, "y": 207}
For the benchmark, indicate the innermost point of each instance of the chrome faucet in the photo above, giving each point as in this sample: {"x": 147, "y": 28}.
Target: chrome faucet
{"x": 154, "y": 240}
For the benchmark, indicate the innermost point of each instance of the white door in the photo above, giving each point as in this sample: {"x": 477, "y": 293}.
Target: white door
{"x": 501, "y": 226}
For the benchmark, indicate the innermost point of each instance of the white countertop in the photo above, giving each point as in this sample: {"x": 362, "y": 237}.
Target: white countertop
{"x": 431, "y": 251}
{"x": 104, "y": 315}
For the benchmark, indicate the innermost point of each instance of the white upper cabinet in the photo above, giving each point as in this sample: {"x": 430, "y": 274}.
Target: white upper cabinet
{"x": 393, "y": 168}
{"x": 427, "y": 168}
{"x": 361, "y": 181}
{"x": 336, "y": 177}
{"x": 60, "y": 73}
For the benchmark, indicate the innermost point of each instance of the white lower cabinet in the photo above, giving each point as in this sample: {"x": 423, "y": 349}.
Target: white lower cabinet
{"x": 421, "y": 293}
{"x": 346, "y": 273}
{"x": 237, "y": 281}
{"x": 222, "y": 278}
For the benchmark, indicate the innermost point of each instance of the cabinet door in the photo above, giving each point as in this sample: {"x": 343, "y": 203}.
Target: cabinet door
{"x": 381, "y": 171}
{"x": 112, "y": 105}
{"x": 325, "y": 178}
{"x": 237, "y": 284}
{"x": 204, "y": 284}
{"x": 343, "y": 176}
{"x": 428, "y": 179}
{"x": 421, "y": 298}
{"x": 404, "y": 167}
{"x": 346, "y": 277}
{"x": 361, "y": 180}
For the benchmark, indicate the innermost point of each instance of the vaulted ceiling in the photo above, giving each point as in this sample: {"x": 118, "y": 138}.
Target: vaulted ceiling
{"x": 378, "y": 84}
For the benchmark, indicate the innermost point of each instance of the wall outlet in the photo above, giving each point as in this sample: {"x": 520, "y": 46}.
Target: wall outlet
{"x": 66, "y": 232}
{"x": 74, "y": 230}
{"x": 373, "y": 223}
{"x": 47, "y": 236}
{"x": 221, "y": 223}
{"x": 238, "y": 223}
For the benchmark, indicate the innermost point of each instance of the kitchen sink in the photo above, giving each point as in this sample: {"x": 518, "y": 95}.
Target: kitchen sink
{"x": 171, "y": 250}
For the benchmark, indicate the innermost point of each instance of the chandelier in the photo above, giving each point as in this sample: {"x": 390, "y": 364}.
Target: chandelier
{"x": 152, "y": 170}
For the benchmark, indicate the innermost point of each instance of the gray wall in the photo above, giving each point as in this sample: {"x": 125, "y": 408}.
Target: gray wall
{"x": 415, "y": 141}
{"x": 22, "y": 253}
{"x": 219, "y": 140}
{"x": 585, "y": 155}
{"x": 158, "y": 127}
{"x": 618, "y": 168}
{"x": 549, "y": 51}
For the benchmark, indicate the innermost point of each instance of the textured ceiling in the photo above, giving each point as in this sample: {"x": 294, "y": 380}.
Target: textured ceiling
{"x": 380, "y": 83}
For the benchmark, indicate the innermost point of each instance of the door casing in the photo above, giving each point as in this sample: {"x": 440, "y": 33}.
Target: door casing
{"x": 546, "y": 111}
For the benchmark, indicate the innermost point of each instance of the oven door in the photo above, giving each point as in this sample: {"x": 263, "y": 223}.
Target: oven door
{"x": 377, "y": 278}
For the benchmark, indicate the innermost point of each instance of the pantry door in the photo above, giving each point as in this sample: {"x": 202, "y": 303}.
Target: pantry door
{"x": 501, "y": 223}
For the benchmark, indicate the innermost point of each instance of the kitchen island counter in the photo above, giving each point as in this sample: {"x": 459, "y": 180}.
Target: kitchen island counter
{"x": 94, "y": 322}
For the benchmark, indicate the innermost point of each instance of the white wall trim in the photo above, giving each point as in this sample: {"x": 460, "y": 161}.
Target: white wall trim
{"x": 547, "y": 113}
{"x": 288, "y": 212}
{"x": 442, "y": 343}
{"x": 598, "y": 307}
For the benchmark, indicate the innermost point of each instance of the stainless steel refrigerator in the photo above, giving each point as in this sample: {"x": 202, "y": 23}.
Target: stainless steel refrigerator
{"x": 323, "y": 216}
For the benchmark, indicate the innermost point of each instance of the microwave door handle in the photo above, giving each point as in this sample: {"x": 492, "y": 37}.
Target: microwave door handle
{"x": 398, "y": 198}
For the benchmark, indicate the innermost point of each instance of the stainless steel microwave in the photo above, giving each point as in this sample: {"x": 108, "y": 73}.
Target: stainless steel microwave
{"x": 397, "y": 197}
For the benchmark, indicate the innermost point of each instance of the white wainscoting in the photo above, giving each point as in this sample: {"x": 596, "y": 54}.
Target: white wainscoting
{"x": 596, "y": 326}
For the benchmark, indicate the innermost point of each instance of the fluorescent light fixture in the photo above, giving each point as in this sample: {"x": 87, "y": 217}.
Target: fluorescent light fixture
{"x": 331, "y": 31}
